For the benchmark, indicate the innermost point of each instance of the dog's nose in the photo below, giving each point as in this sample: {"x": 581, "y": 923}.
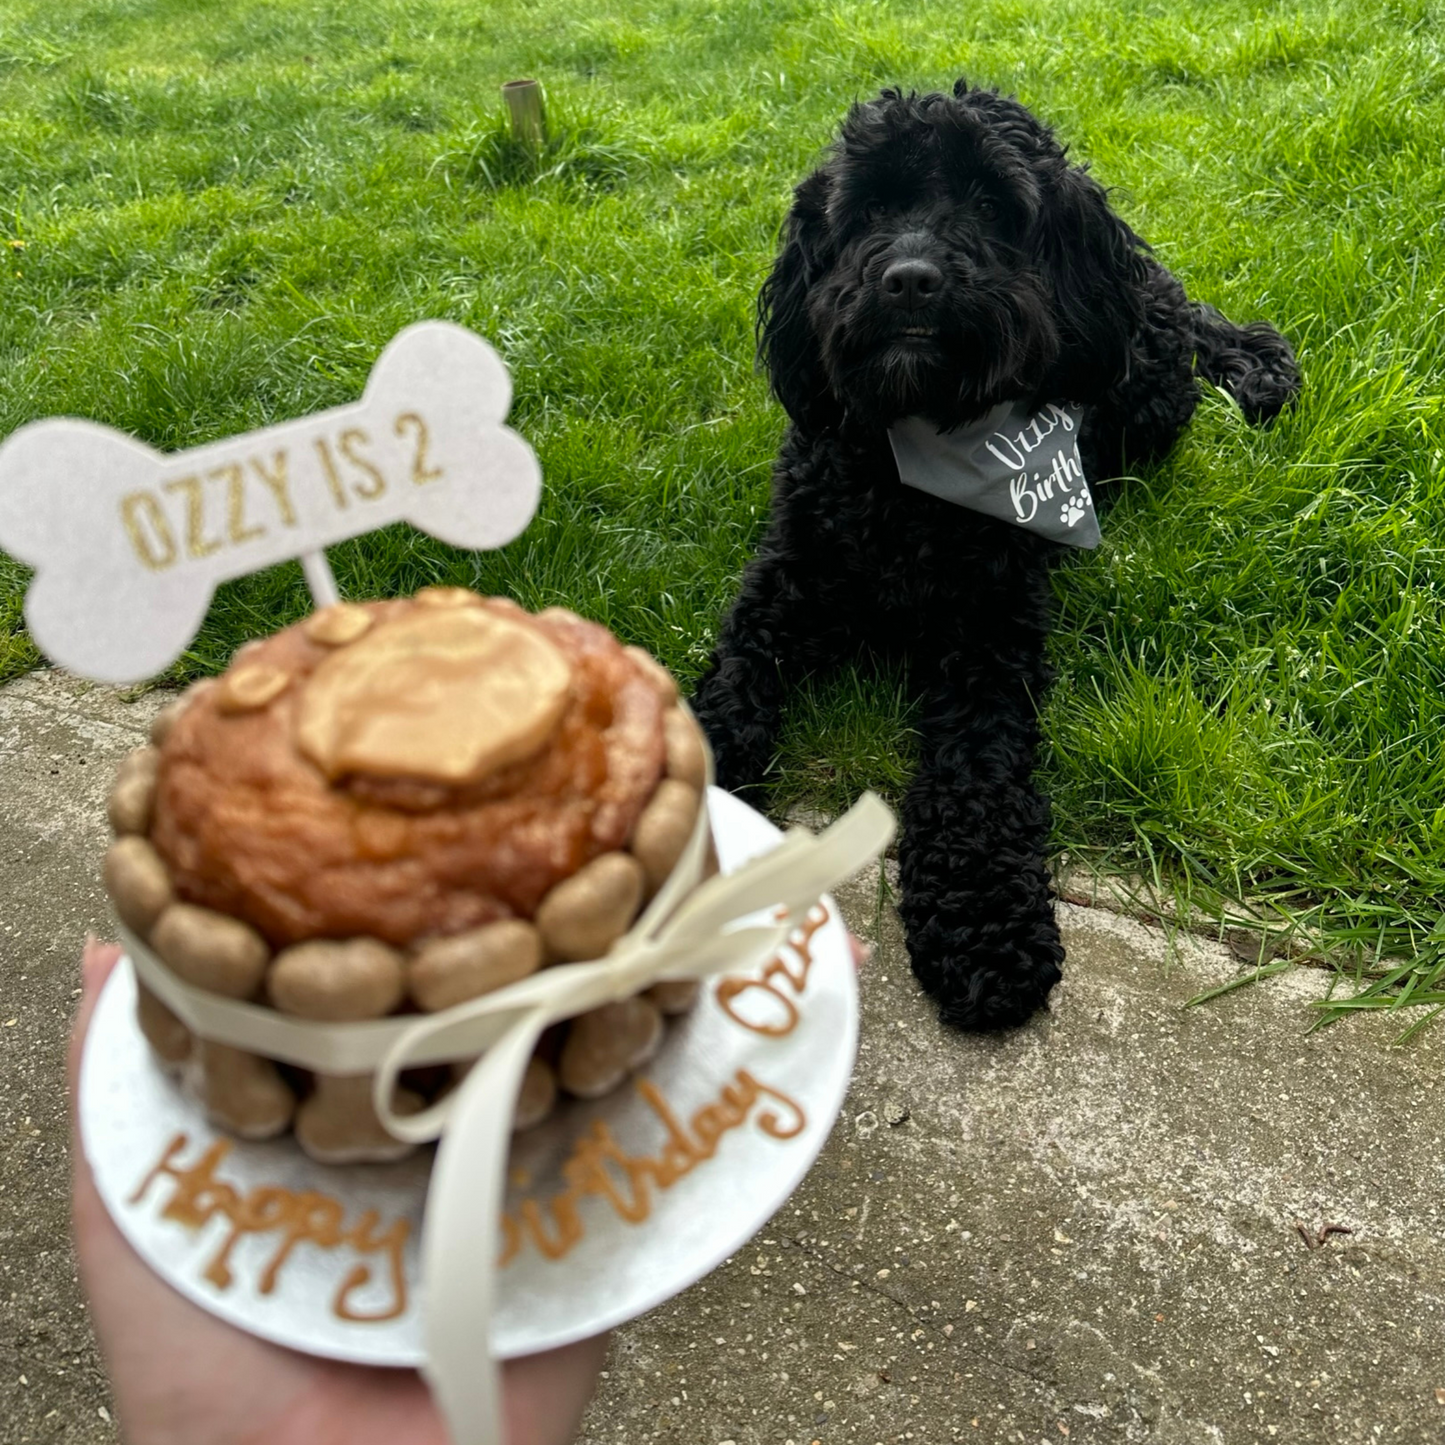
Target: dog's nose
{"x": 912, "y": 283}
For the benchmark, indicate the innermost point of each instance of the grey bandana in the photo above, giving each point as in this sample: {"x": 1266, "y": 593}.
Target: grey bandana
{"x": 1008, "y": 464}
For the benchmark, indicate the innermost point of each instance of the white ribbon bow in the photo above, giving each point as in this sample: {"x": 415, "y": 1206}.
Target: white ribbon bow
{"x": 735, "y": 921}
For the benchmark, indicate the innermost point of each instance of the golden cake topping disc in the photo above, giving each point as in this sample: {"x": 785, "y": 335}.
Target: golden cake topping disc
{"x": 444, "y": 694}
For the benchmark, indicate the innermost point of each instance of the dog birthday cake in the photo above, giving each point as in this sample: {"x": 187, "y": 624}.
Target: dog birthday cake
{"x": 396, "y": 807}
{"x": 406, "y": 873}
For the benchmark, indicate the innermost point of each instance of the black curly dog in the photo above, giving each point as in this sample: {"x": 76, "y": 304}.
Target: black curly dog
{"x": 946, "y": 258}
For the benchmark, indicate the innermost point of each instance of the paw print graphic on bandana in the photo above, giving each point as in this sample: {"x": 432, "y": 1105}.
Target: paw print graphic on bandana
{"x": 1072, "y": 510}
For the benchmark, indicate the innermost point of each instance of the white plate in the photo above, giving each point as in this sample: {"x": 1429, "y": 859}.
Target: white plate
{"x": 131, "y": 1112}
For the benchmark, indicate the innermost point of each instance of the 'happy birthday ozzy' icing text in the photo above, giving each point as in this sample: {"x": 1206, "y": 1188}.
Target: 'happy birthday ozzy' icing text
{"x": 305, "y": 1217}
{"x": 774, "y": 989}
{"x": 600, "y": 1167}
{"x": 597, "y": 1164}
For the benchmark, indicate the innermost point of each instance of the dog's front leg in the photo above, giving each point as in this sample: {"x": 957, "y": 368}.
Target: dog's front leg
{"x": 796, "y": 616}
{"x": 762, "y": 647}
{"x": 976, "y": 899}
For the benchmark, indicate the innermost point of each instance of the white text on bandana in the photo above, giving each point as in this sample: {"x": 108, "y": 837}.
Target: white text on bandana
{"x": 1021, "y": 467}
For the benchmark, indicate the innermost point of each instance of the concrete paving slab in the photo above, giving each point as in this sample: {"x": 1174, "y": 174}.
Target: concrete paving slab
{"x": 1083, "y": 1230}
{"x": 60, "y": 740}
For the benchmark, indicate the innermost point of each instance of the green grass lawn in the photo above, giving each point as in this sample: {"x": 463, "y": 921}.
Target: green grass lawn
{"x": 213, "y": 217}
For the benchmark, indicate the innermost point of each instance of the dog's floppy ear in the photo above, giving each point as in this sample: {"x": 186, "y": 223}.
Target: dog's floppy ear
{"x": 1094, "y": 263}
{"x": 787, "y": 344}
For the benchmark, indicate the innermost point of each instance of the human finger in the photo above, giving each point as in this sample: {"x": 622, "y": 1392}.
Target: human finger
{"x": 96, "y": 962}
{"x": 546, "y": 1394}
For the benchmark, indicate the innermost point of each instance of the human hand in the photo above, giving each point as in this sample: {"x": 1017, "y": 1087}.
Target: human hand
{"x": 183, "y": 1377}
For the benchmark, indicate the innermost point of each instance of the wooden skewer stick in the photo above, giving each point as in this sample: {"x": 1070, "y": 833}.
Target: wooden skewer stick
{"x": 319, "y": 578}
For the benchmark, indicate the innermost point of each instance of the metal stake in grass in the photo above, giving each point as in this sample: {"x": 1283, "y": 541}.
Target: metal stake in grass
{"x": 529, "y": 120}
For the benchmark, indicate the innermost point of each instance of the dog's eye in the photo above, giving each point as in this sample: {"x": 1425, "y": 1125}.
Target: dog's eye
{"x": 876, "y": 210}
{"x": 987, "y": 208}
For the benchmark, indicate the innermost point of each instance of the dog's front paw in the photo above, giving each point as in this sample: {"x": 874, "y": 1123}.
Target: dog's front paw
{"x": 980, "y": 982}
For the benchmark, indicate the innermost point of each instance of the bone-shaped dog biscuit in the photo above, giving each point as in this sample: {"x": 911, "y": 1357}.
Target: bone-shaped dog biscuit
{"x": 129, "y": 544}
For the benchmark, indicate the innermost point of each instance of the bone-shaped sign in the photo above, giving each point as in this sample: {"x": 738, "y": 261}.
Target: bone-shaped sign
{"x": 129, "y": 544}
